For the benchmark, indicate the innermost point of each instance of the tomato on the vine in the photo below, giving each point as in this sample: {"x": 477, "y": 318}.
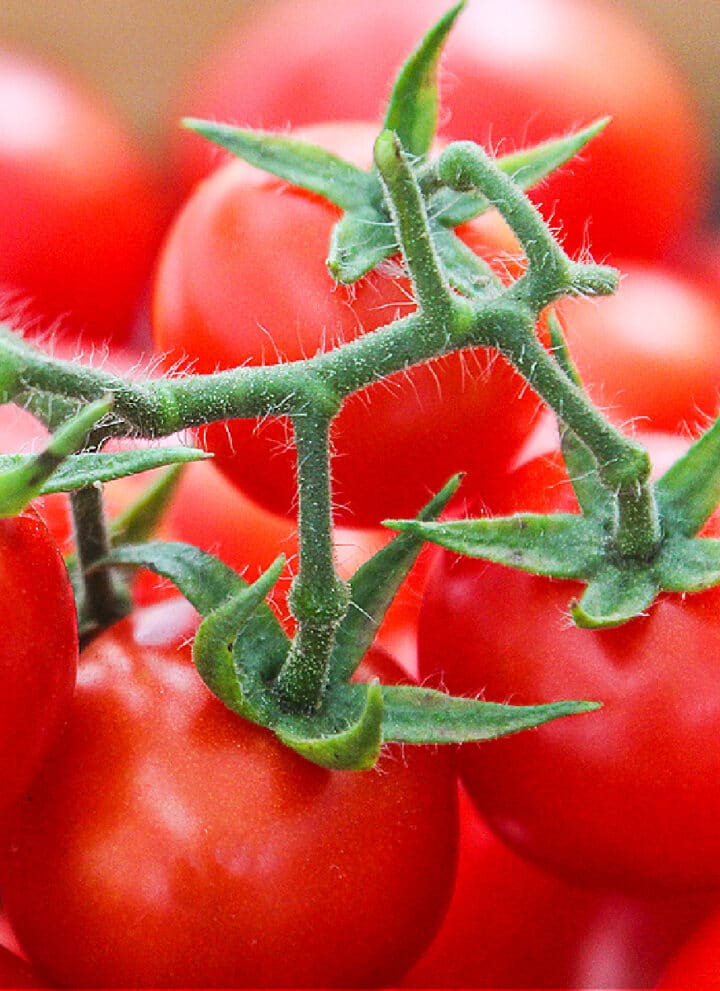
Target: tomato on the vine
{"x": 82, "y": 211}
{"x": 181, "y": 846}
{"x": 39, "y": 655}
{"x": 515, "y": 72}
{"x": 625, "y": 796}
{"x": 242, "y": 280}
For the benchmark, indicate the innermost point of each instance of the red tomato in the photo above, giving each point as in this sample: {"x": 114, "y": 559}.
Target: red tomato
{"x": 516, "y": 72}
{"x": 625, "y": 796}
{"x": 81, "y": 212}
{"x": 40, "y": 649}
{"x": 651, "y": 352}
{"x": 242, "y": 279}
{"x": 180, "y": 846}
{"x": 511, "y": 925}
{"x": 697, "y": 963}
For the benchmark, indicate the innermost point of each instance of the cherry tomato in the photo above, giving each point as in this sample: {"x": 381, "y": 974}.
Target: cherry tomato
{"x": 180, "y": 846}
{"x": 81, "y": 209}
{"x": 623, "y": 797}
{"x": 651, "y": 352}
{"x": 515, "y": 72}
{"x": 511, "y": 925}
{"x": 242, "y": 279}
{"x": 40, "y": 649}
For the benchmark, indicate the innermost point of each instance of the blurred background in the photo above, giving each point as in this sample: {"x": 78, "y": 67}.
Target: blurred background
{"x": 137, "y": 51}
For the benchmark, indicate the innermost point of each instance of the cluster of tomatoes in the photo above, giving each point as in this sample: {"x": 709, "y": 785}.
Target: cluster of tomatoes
{"x": 151, "y": 838}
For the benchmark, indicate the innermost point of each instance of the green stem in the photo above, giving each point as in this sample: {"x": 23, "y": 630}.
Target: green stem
{"x": 407, "y": 210}
{"x": 319, "y": 598}
{"x": 103, "y": 599}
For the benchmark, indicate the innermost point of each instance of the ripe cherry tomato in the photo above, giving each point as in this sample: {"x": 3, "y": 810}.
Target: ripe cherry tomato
{"x": 38, "y": 660}
{"x": 651, "y": 352}
{"x": 626, "y": 796}
{"x": 511, "y": 925}
{"x": 242, "y": 279}
{"x": 81, "y": 210}
{"x": 180, "y": 846}
{"x": 515, "y": 72}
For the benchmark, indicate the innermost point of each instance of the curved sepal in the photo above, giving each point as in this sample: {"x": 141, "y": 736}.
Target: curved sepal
{"x": 423, "y": 715}
{"x": 559, "y": 545}
{"x": 373, "y": 587}
{"x": 356, "y": 747}
{"x": 360, "y": 241}
{"x": 412, "y": 112}
{"x": 689, "y": 565}
{"x": 298, "y": 162}
{"x": 467, "y": 272}
{"x": 689, "y": 491}
{"x": 213, "y": 645}
{"x": 615, "y": 596}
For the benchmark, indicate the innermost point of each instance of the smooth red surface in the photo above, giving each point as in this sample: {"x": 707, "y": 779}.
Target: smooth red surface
{"x": 81, "y": 210}
{"x": 39, "y": 655}
{"x": 180, "y": 846}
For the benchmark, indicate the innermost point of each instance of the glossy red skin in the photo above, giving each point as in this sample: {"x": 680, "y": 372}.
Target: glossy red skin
{"x": 180, "y": 846}
{"x": 514, "y": 73}
{"x": 82, "y": 212}
{"x": 697, "y": 963}
{"x": 511, "y": 925}
{"x": 650, "y": 353}
{"x": 39, "y": 656}
{"x": 624, "y": 797}
{"x": 242, "y": 280}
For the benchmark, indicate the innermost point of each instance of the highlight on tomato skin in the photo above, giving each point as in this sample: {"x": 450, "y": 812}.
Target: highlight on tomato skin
{"x": 206, "y": 853}
{"x": 514, "y": 73}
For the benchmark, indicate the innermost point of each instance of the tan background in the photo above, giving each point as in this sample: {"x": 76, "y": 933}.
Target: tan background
{"x": 137, "y": 50}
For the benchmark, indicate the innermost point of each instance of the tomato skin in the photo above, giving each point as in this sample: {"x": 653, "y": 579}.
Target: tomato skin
{"x": 81, "y": 214}
{"x": 651, "y": 352}
{"x": 17, "y": 973}
{"x": 39, "y": 652}
{"x": 697, "y": 963}
{"x": 514, "y": 73}
{"x": 181, "y": 846}
{"x": 242, "y": 279}
{"x": 624, "y": 797}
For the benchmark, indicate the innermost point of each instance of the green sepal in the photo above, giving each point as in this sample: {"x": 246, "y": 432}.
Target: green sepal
{"x": 615, "y": 596}
{"x": 412, "y": 112}
{"x": 527, "y": 168}
{"x": 80, "y": 470}
{"x": 356, "y": 747}
{"x": 423, "y": 715}
{"x": 298, "y": 162}
{"x": 373, "y": 587}
{"x": 467, "y": 272}
{"x": 360, "y": 241}
{"x": 689, "y": 491}
{"x": 594, "y": 499}
{"x": 558, "y": 545}
{"x": 216, "y": 636}
{"x": 688, "y": 564}
{"x": 24, "y": 477}
{"x": 139, "y": 521}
